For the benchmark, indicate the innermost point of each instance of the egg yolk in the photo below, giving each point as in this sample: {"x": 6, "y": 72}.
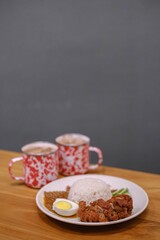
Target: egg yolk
{"x": 63, "y": 205}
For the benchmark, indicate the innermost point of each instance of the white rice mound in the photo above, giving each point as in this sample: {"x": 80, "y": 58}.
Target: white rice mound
{"x": 89, "y": 190}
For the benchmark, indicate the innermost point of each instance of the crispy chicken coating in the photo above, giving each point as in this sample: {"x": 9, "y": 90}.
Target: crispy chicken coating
{"x": 116, "y": 208}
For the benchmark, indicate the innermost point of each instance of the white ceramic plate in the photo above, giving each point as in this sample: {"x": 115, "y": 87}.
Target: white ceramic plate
{"x": 139, "y": 196}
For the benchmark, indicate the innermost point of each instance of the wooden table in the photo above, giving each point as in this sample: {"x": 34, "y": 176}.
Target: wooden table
{"x": 21, "y": 219}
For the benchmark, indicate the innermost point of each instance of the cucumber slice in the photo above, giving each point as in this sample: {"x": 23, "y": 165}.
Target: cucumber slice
{"x": 120, "y": 191}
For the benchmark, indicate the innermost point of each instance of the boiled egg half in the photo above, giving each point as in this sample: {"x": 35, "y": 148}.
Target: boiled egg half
{"x": 65, "y": 207}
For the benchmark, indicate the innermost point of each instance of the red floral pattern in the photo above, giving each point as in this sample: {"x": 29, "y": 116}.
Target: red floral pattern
{"x": 75, "y": 159}
{"x": 38, "y": 170}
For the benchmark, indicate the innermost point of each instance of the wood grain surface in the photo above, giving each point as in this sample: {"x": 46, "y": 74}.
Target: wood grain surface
{"x": 21, "y": 219}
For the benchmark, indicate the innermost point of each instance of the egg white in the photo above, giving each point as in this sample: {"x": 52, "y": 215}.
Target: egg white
{"x": 68, "y": 212}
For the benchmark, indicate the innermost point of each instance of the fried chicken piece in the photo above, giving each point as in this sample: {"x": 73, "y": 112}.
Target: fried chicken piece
{"x": 116, "y": 208}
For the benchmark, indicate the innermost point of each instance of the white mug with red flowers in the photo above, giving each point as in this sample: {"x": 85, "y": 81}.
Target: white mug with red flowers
{"x": 74, "y": 150}
{"x": 40, "y": 162}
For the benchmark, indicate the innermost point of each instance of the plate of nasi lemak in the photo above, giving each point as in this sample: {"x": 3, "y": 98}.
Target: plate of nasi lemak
{"x": 92, "y": 200}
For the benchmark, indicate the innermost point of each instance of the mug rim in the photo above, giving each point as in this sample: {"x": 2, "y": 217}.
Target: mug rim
{"x": 55, "y": 148}
{"x": 86, "y": 140}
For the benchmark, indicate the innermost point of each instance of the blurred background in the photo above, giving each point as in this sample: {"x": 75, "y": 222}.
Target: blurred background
{"x": 85, "y": 66}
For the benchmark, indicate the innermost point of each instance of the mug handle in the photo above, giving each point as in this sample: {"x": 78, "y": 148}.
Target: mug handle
{"x": 12, "y": 161}
{"x": 100, "y": 157}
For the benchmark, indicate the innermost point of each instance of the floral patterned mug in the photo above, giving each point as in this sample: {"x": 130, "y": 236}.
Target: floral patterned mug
{"x": 74, "y": 151}
{"x": 40, "y": 162}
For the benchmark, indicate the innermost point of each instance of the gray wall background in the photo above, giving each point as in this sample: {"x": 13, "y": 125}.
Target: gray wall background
{"x": 83, "y": 66}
